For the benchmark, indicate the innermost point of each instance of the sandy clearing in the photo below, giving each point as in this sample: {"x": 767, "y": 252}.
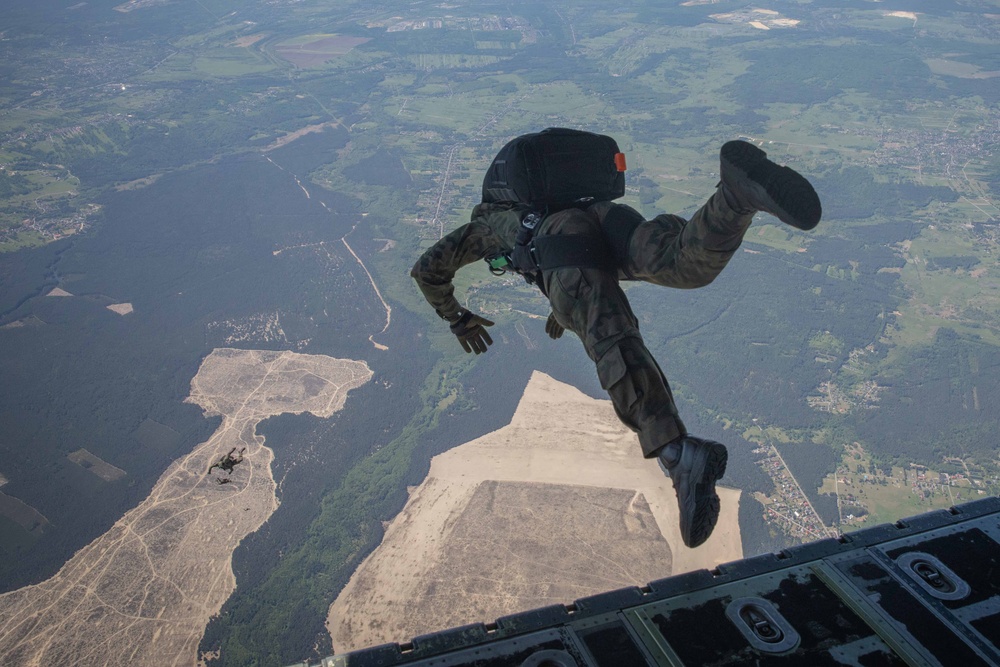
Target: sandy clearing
{"x": 248, "y": 40}
{"x": 561, "y": 452}
{"x": 131, "y": 5}
{"x": 139, "y": 183}
{"x": 121, "y": 308}
{"x": 143, "y": 593}
{"x": 58, "y": 292}
{"x": 96, "y": 465}
{"x": 21, "y": 513}
{"x": 319, "y": 50}
{"x": 286, "y": 139}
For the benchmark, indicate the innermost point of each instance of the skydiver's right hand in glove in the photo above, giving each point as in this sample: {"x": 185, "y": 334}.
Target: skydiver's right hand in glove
{"x": 553, "y": 328}
{"x": 470, "y": 329}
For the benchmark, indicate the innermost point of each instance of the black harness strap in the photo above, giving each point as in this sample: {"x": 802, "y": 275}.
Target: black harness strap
{"x": 618, "y": 227}
{"x": 560, "y": 251}
{"x": 563, "y": 251}
{"x": 606, "y": 251}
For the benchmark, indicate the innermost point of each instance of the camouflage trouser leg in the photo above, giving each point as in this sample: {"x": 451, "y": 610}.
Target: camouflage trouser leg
{"x": 590, "y": 302}
{"x": 674, "y": 252}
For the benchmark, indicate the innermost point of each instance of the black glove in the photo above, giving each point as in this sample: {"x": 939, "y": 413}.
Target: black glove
{"x": 553, "y": 328}
{"x": 470, "y": 329}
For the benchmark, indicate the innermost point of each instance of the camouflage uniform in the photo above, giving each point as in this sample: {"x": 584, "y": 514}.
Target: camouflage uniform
{"x": 666, "y": 250}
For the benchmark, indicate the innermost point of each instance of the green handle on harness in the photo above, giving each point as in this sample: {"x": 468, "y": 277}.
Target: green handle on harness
{"x": 498, "y": 265}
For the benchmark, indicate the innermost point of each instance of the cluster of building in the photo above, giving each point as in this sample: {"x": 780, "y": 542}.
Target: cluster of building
{"x": 788, "y": 506}
{"x": 52, "y": 228}
{"x": 830, "y": 399}
{"x": 926, "y": 484}
{"x": 945, "y": 151}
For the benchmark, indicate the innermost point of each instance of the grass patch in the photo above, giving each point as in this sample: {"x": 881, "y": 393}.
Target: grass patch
{"x": 232, "y": 62}
{"x": 947, "y": 275}
{"x": 565, "y": 97}
{"x": 177, "y": 67}
{"x": 772, "y": 434}
{"x": 20, "y": 240}
{"x": 779, "y": 238}
{"x": 40, "y": 205}
{"x": 826, "y": 343}
{"x": 315, "y": 50}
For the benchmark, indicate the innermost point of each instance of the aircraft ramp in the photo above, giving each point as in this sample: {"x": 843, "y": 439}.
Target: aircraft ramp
{"x": 922, "y": 591}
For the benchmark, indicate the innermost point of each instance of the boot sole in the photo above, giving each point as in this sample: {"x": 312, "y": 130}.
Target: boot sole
{"x": 706, "y": 503}
{"x": 784, "y": 192}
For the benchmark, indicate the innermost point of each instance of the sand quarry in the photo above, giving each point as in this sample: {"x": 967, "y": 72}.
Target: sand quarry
{"x": 142, "y": 593}
{"x": 556, "y": 506}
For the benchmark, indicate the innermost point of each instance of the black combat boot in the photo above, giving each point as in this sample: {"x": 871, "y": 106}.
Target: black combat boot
{"x": 751, "y": 182}
{"x": 694, "y": 465}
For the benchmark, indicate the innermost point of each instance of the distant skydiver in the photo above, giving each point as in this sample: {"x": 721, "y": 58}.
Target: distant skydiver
{"x": 578, "y": 255}
{"x": 228, "y": 462}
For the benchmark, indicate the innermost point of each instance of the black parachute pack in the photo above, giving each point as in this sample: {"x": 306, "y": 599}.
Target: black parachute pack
{"x": 555, "y": 169}
{"x": 549, "y": 171}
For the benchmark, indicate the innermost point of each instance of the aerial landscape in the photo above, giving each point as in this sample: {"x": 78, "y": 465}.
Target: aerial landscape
{"x": 208, "y": 214}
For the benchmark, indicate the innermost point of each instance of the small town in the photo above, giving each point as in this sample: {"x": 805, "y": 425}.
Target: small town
{"x": 789, "y": 507}
{"x": 866, "y": 493}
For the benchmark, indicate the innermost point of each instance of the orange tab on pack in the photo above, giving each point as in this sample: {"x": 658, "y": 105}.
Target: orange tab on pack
{"x": 620, "y": 161}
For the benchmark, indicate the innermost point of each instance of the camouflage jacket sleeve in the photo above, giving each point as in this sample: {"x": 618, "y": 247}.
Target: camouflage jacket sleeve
{"x": 491, "y": 232}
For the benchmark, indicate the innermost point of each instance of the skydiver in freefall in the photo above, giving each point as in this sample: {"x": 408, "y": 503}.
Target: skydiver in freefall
{"x": 666, "y": 250}
{"x": 228, "y": 462}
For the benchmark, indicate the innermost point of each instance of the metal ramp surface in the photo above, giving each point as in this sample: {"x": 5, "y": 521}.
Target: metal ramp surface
{"x": 922, "y": 591}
